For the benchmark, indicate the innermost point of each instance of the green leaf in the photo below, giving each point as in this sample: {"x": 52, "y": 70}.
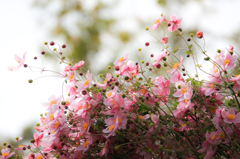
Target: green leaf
{"x": 171, "y": 124}
{"x": 175, "y": 103}
{"x": 143, "y": 108}
{"x": 190, "y": 46}
{"x": 175, "y": 50}
{"x": 188, "y": 52}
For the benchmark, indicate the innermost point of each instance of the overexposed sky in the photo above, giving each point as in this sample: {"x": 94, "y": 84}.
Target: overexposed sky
{"x": 20, "y": 32}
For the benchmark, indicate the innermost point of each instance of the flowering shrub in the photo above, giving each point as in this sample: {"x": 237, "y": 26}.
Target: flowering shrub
{"x": 125, "y": 114}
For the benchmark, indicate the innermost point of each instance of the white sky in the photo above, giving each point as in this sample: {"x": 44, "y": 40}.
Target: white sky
{"x": 20, "y": 32}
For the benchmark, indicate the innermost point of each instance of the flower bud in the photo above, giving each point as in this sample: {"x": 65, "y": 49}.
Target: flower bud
{"x": 142, "y": 61}
{"x": 63, "y": 103}
{"x": 116, "y": 68}
{"x": 231, "y": 52}
{"x": 180, "y": 29}
{"x": 52, "y": 43}
{"x": 9, "y": 146}
{"x": 43, "y": 52}
{"x": 164, "y": 58}
{"x": 140, "y": 49}
{"x": 30, "y": 81}
{"x": 218, "y": 50}
{"x": 4, "y": 144}
{"x": 25, "y": 65}
{"x": 147, "y": 44}
{"x": 45, "y": 43}
{"x": 126, "y": 78}
{"x": 38, "y": 124}
{"x": 32, "y": 141}
{"x": 109, "y": 67}
{"x": 128, "y": 116}
{"x": 64, "y": 46}
{"x": 124, "y": 95}
{"x": 206, "y": 58}
{"x": 189, "y": 39}
{"x": 191, "y": 34}
{"x": 54, "y": 49}
{"x": 147, "y": 28}
{"x": 116, "y": 147}
{"x": 199, "y": 34}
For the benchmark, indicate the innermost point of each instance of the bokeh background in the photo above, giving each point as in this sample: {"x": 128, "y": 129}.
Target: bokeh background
{"x": 99, "y": 31}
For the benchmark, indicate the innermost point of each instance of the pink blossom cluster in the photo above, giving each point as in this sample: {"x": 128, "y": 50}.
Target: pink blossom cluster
{"x": 127, "y": 114}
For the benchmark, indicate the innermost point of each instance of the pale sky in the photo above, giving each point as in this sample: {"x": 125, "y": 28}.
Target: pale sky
{"x": 20, "y": 32}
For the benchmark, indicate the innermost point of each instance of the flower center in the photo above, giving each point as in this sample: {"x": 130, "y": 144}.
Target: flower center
{"x": 111, "y": 127}
{"x": 109, "y": 94}
{"x": 57, "y": 124}
{"x": 51, "y": 117}
{"x": 186, "y": 101}
{"x": 5, "y": 154}
{"x": 157, "y": 21}
{"x": 227, "y": 61}
{"x": 184, "y": 90}
{"x": 120, "y": 60}
{"x": 53, "y": 102}
{"x": 183, "y": 125}
{"x": 85, "y": 143}
{"x": 231, "y": 116}
{"x": 119, "y": 120}
{"x": 176, "y": 66}
{"x": 221, "y": 135}
{"x": 40, "y": 157}
{"x": 71, "y": 77}
{"x": 85, "y": 126}
{"x": 213, "y": 137}
{"x": 86, "y": 82}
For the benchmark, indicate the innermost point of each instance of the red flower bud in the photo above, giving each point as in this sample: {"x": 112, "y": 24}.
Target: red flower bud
{"x": 199, "y": 34}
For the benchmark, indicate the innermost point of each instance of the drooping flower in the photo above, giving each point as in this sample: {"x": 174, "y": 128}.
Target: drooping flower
{"x": 158, "y": 22}
{"x": 6, "y": 154}
{"x": 78, "y": 65}
{"x": 38, "y": 139}
{"x": 177, "y": 65}
{"x": 199, "y": 34}
{"x": 119, "y": 62}
{"x": 164, "y": 40}
{"x": 175, "y": 23}
{"x": 20, "y": 62}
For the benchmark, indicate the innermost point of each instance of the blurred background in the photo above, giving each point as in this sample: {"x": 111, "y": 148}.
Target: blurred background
{"x": 98, "y": 31}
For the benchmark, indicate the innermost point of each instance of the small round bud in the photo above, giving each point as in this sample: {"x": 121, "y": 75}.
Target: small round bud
{"x": 165, "y": 65}
{"x": 164, "y": 58}
{"x": 147, "y": 44}
{"x": 124, "y": 95}
{"x": 161, "y": 147}
{"x": 70, "y": 64}
{"x": 116, "y": 68}
{"x": 149, "y": 150}
{"x": 28, "y": 146}
{"x": 52, "y": 43}
{"x": 116, "y": 83}
{"x": 151, "y": 55}
{"x": 180, "y": 29}
{"x": 84, "y": 92}
{"x": 184, "y": 74}
{"x": 199, "y": 34}
{"x": 147, "y": 28}
{"x": 63, "y": 103}
{"x": 81, "y": 74}
{"x": 64, "y": 46}
{"x": 231, "y": 52}
{"x": 32, "y": 141}
{"x": 188, "y": 55}
{"x": 112, "y": 87}
{"x": 9, "y": 146}
{"x": 54, "y": 49}
{"x": 35, "y": 58}
{"x": 117, "y": 75}
{"x": 4, "y": 144}
{"x": 147, "y": 64}
{"x": 179, "y": 87}
{"x": 66, "y": 107}
{"x": 136, "y": 63}
{"x": 196, "y": 75}
{"x": 43, "y": 52}
{"x": 142, "y": 61}
{"x": 183, "y": 69}
{"x": 60, "y": 53}
{"x": 128, "y": 116}
{"x": 158, "y": 66}
{"x": 45, "y": 43}
{"x": 191, "y": 34}
{"x": 189, "y": 39}
{"x": 38, "y": 124}
{"x": 151, "y": 124}
{"x": 218, "y": 50}
{"x": 24, "y": 148}
{"x": 140, "y": 49}
{"x": 41, "y": 114}
{"x": 169, "y": 24}
{"x": 140, "y": 78}
{"x": 126, "y": 78}
{"x": 206, "y": 58}
{"x": 101, "y": 75}
{"x": 116, "y": 147}
{"x": 25, "y": 65}
{"x": 150, "y": 69}
{"x": 30, "y": 81}
{"x": 109, "y": 67}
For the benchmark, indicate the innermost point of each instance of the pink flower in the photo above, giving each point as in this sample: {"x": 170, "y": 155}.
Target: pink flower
{"x": 52, "y": 100}
{"x": 230, "y": 61}
{"x": 231, "y": 116}
{"x": 38, "y": 139}
{"x": 82, "y": 85}
{"x": 199, "y": 34}
{"x": 6, "y": 154}
{"x": 19, "y": 60}
{"x": 175, "y": 23}
{"x": 160, "y": 57}
{"x": 78, "y": 65}
{"x": 164, "y": 40}
{"x": 18, "y": 139}
{"x": 104, "y": 85}
{"x": 177, "y": 65}
{"x": 176, "y": 76}
{"x": 119, "y": 62}
{"x": 158, "y": 22}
